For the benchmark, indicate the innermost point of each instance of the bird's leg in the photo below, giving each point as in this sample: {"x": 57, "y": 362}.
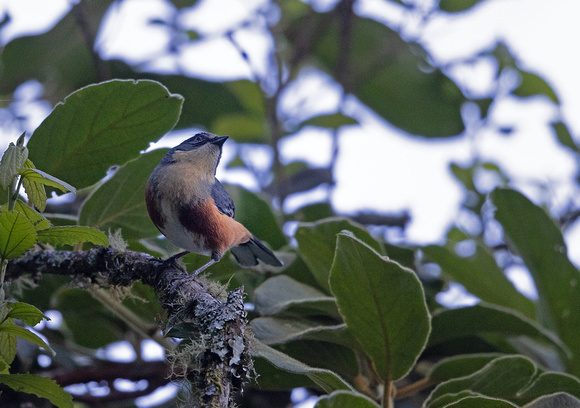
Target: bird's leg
{"x": 203, "y": 268}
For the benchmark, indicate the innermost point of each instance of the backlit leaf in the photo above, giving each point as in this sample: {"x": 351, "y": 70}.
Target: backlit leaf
{"x": 17, "y": 234}
{"x": 42, "y": 387}
{"x": 72, "y": 235}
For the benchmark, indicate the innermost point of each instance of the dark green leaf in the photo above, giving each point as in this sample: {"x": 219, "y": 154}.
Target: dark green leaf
{"x": 59, "y": 59}
{"x": 487, "y": 318}
{"x": 480, "y": 402}
{"x": 8, "y": 342}
{"x": 242, "y": 127}
{"x": 532, "y": 85}
{"x": 275, "y": 330}
{"x": 72, "y": 235}
{"x": 564, "y": 136}
{"x": 332, "y": 121}
{"x": 501, "y": 378}
{"x": 459, "y": 366}
{"x": 79, "y": 142}
{"x": 454, "y": 6}
{"x": 17, "y": 234}
{"x": 119, "y": 203}
{"x": 382, "y": 304}
{"x": 325, "y": 379}
{"x": 42, "y": 387}
{"x": 29, "y": 314}
{"x": 481, "y": 276}
{"x": 317, "y": 243}
{"x": 558, "y": 400}
{"x": 389, "y": 75}
{"x": 281, "y": 292}
{"x": 549, "y": 383}
{"x": 13, "y": 160}
{"x": 345, "y": 399}
{"x": 539, "y": 242}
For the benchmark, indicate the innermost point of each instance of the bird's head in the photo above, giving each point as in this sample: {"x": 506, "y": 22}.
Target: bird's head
{"x": 203, "y": 150}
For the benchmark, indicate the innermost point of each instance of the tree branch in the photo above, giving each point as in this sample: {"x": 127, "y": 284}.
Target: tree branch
{"x": 221, "y": 364}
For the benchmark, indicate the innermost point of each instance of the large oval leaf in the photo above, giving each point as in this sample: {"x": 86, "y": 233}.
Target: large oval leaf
{"x": 382, "y": 304}
{"x": 100, "y": 126}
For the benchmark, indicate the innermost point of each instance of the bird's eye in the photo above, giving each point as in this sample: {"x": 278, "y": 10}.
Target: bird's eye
{"x": 198, "y": 138}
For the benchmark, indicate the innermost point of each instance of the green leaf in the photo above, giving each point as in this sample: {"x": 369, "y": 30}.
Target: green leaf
{"x": 317, "y": 243}
{"x": 244, "y": 128}
{"x": 487, "y": 318}
{"x": 8, "y": 343}
{"x": 501, "y": 378}
{"x": 37, "y": 220}
{"x": 119, "y": 203}
{"x": 564, "y": 136}
{"x": 480, "y": 402}
{"x": 34, "y": 190}
{"x": 558, "y": 400}
{"x": 383, "y": 305}
{"x": 282, "y": 292}
{"x": 345, "y": 399}
{"x": 42, "y": 387}
{"x": 532, "y": 85}
{"x": 250, "y": 95}
{"x": 257, "y": 216}
{"x": 549, "y": 383}
{"x": 25, "y": 334}
{"x": 541, "y": 246}
{"x": 275, "y": 330}
{"x": 79, "y": 142}
{"x": 325, "y": 379}
{"x": 459, "y": 366}
{"x": 332, "y": 121}
{"x": 17, "y": 234}
{"x": 72, "y": 235}
{"x": 39, "y": 176}
{"x": 47, "y": 58}
{"x": 455, "y": 6}
{"x": 388, "y": 74}
{"x": 3, "y": 366}
{"x": 481, "y": 276}
{"x": 29, "y": 314}
{"x": 13, "y": 159}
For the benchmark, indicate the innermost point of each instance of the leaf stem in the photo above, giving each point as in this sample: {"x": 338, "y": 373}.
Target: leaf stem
{"x": 2, "y": 275}
{"x": 413, "y": 388}
{"x": 388, "y": 395}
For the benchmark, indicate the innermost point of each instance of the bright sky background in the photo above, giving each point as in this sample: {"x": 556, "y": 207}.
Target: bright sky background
{"x": 380, "y": 168}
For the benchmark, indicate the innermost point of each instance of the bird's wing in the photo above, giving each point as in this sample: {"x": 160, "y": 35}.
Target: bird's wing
{"x": 222, "y": 199}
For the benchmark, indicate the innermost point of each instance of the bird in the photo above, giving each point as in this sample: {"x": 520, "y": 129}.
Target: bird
{"x": 189, "y": 205}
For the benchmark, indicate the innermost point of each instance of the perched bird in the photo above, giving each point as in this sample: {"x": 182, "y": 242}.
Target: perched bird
{"x": 189, "y": 205}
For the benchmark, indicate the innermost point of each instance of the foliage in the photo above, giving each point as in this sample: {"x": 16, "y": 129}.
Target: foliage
{"x": 351, "y": 315}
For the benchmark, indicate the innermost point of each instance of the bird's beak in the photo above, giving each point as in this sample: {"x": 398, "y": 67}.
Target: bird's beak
{"x": 219, "y": 141}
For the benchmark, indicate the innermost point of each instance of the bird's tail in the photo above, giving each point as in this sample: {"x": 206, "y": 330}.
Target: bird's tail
{"x": 248, "y": 253}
